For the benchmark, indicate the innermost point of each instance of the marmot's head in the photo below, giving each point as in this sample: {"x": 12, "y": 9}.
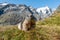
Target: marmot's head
{"x": 31, "y": 17}
{"x": 28, "y": 17}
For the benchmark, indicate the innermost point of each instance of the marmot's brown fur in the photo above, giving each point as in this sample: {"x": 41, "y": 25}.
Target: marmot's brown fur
{"x": 28, "y": 23}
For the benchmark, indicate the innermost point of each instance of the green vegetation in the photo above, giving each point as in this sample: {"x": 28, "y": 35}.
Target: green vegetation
{"x": 53, "y": 20}
{"x": 49, "y": 29}
{"x": 39, "y": 33}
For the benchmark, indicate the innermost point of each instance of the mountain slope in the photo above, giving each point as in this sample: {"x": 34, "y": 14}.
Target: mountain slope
{"x": 13, "y": 14}
{"x": 52, "y": 20}
{"x": 58, "y": 9}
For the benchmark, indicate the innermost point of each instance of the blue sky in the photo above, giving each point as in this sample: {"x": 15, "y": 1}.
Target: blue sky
{"x": 35, "y": 3}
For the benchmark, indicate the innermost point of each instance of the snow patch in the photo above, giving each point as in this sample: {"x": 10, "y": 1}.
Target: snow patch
{"x": 44, "y": 12}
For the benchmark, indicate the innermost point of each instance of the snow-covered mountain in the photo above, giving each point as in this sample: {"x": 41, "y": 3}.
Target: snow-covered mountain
{"x": 44, "y": 12}
{"x": 13, "y": 14}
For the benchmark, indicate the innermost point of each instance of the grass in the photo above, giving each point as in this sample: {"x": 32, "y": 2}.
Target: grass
{"x": 39, "y": 33}
{"x": 53, "y": 20}
{"x": 49, "y": 29}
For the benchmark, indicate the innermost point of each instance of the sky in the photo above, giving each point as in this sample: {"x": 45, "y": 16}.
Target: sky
{"x": 35, "y": 3}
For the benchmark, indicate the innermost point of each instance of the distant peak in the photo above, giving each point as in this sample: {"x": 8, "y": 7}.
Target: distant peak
{"x": 42, "y": 9}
